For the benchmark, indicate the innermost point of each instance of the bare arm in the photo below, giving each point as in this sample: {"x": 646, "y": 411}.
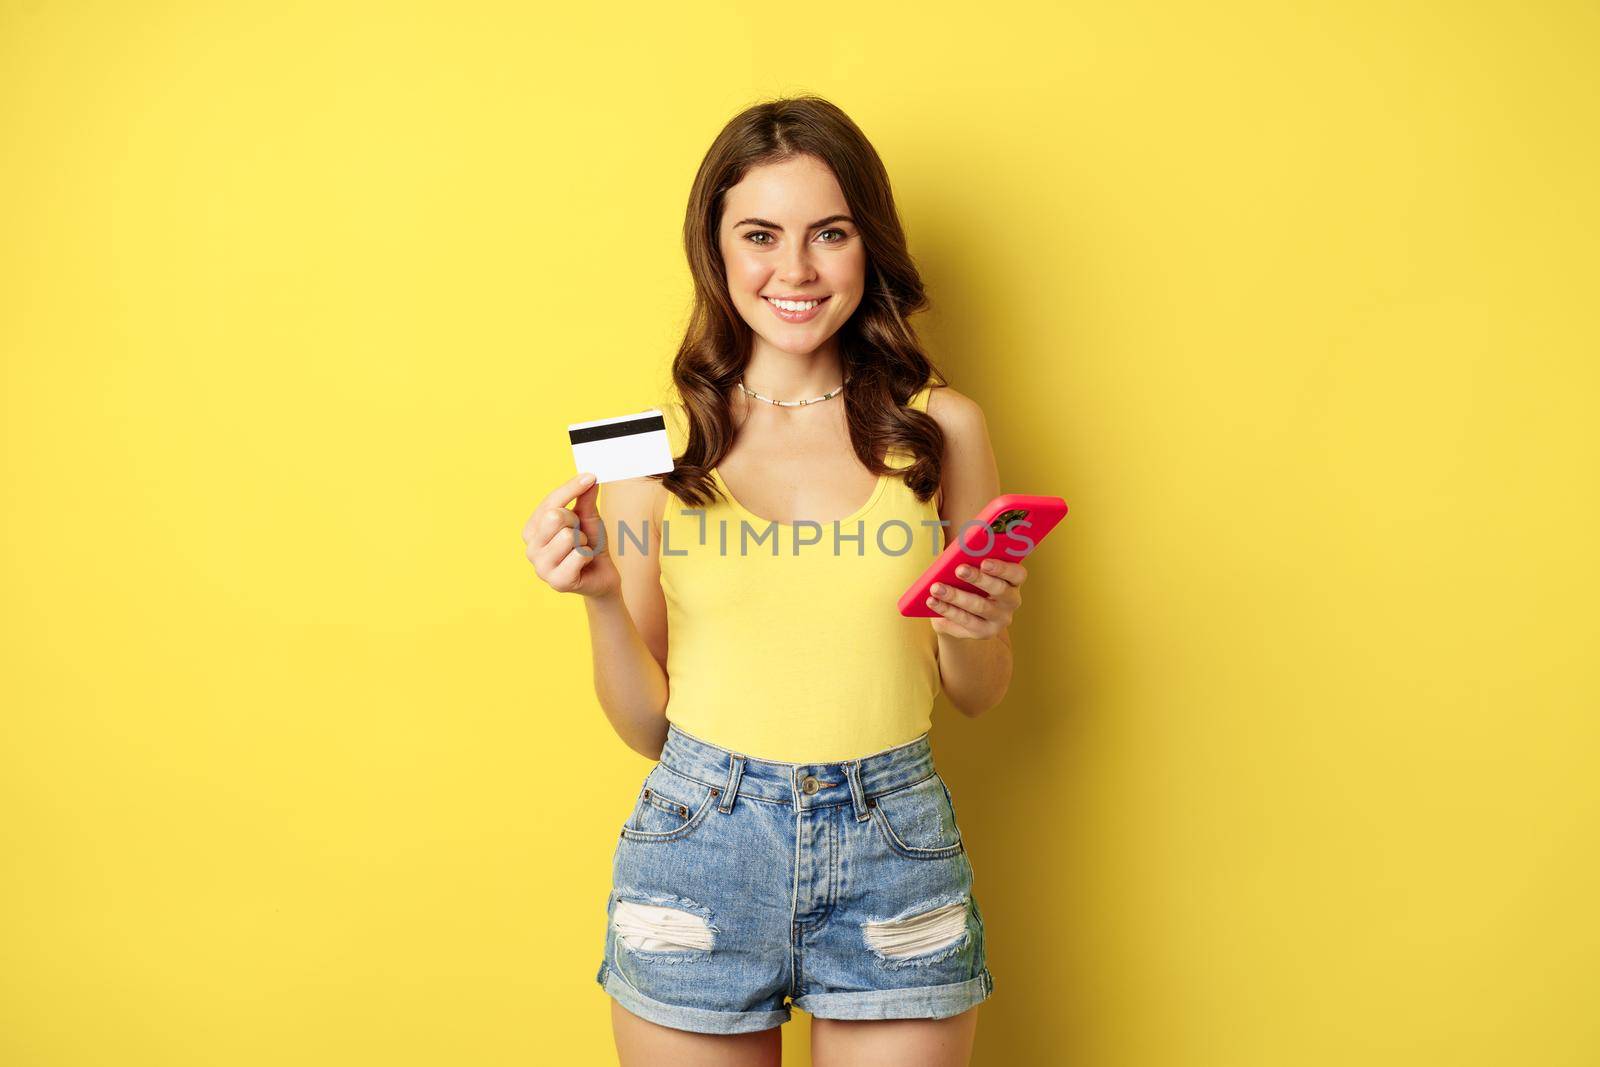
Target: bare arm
{"x": 974, "y": 673}
{"x": 628, "y": 625}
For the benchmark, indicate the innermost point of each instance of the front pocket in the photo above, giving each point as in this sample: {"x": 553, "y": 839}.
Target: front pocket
{"x": 918, "y": 821}
{"x": 669, "y": 807}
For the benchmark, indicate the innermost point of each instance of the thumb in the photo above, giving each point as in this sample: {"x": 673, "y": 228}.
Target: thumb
{"x": 587, "y": 508}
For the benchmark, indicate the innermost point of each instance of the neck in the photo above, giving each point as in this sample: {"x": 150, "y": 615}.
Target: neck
{"x": 786, "y": 376}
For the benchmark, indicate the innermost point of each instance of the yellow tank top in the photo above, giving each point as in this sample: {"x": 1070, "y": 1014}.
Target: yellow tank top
{"x": 787, "y": 651}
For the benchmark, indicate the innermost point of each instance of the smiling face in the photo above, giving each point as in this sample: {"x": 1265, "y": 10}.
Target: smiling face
{"x": 786, "y": 232}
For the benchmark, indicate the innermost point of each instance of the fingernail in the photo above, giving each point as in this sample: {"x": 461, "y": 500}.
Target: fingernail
{"x": 938, "y": 590}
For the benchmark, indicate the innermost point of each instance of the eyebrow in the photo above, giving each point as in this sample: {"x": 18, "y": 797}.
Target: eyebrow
{"x": 814, "y": 225}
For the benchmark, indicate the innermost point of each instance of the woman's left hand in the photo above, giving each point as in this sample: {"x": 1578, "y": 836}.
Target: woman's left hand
{"x": 964, "y": 614}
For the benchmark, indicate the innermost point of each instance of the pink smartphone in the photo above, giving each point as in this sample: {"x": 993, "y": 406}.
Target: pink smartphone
{"x": 1008, "y": 528}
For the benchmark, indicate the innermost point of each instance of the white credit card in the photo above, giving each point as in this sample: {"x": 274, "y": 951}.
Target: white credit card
{"x": 626, "y": 446}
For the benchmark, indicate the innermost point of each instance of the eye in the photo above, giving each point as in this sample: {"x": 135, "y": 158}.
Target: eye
{"x": 843, "y": 236}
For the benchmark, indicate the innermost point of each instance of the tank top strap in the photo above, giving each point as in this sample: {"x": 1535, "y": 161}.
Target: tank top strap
{"x": 748, "y": 613}
{"x": 898, "y": 457}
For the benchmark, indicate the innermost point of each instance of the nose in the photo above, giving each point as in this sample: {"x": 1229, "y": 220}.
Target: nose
{"x": 796, "y": 267}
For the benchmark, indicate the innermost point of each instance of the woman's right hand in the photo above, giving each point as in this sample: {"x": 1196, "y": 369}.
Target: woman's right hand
{"x": 553, "y": 535}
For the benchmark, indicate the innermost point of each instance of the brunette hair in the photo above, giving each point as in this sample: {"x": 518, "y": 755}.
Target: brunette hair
{"x": 882, "y": 357}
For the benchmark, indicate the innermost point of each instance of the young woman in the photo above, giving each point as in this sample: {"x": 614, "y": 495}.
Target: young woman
{"x": 794, "y": 844}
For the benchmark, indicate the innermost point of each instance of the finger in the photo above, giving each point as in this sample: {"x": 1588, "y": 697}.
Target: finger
{"x": 545, "y": 524}
{"x": 547, "y": 557}
{"x": 988, "y": 582}
{"x": 539, "y": 527}
{"x": 563, "y": 494}
{"x": 568, "y": 570}
{"x": 954, "y": 629}
{"x": 972, "y": 603}
{"x": 1012, "y": 573}
{"x": 959, "y": 616}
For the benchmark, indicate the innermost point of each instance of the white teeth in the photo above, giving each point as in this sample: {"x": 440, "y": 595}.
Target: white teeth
{"x": 795, "y": 305}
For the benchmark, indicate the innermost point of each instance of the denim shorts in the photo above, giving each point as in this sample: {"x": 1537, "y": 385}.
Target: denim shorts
{"x": 741, "y": 886}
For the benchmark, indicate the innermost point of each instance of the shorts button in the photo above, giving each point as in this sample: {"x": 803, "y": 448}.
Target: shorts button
{"x": 810, "y": 784}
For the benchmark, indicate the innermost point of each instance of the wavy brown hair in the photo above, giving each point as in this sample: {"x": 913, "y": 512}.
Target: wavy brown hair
{"x": 883, "y": 359}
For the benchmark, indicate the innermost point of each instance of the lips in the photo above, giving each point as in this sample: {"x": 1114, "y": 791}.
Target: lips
{"x": 796, "y": 316}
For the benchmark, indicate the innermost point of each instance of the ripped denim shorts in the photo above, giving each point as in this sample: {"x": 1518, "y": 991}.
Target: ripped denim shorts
{"x": 741, "y": 886}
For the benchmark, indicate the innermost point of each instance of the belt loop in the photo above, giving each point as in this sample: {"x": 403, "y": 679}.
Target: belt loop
{"x": 735, "y": 772}
{"x": 858, "y": 794}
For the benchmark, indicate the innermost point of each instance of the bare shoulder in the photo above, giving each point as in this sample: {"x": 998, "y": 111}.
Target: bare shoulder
{"x": 957, "y": 414}
{"x": 637, "y": 503}
{"x": 968, "y": 475}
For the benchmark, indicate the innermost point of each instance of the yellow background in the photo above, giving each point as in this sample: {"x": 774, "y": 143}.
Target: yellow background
{"x": 1294, "y": 304}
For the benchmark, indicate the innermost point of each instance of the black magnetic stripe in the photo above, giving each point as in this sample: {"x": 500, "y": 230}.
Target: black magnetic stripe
{"x": 617, "y": 429}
